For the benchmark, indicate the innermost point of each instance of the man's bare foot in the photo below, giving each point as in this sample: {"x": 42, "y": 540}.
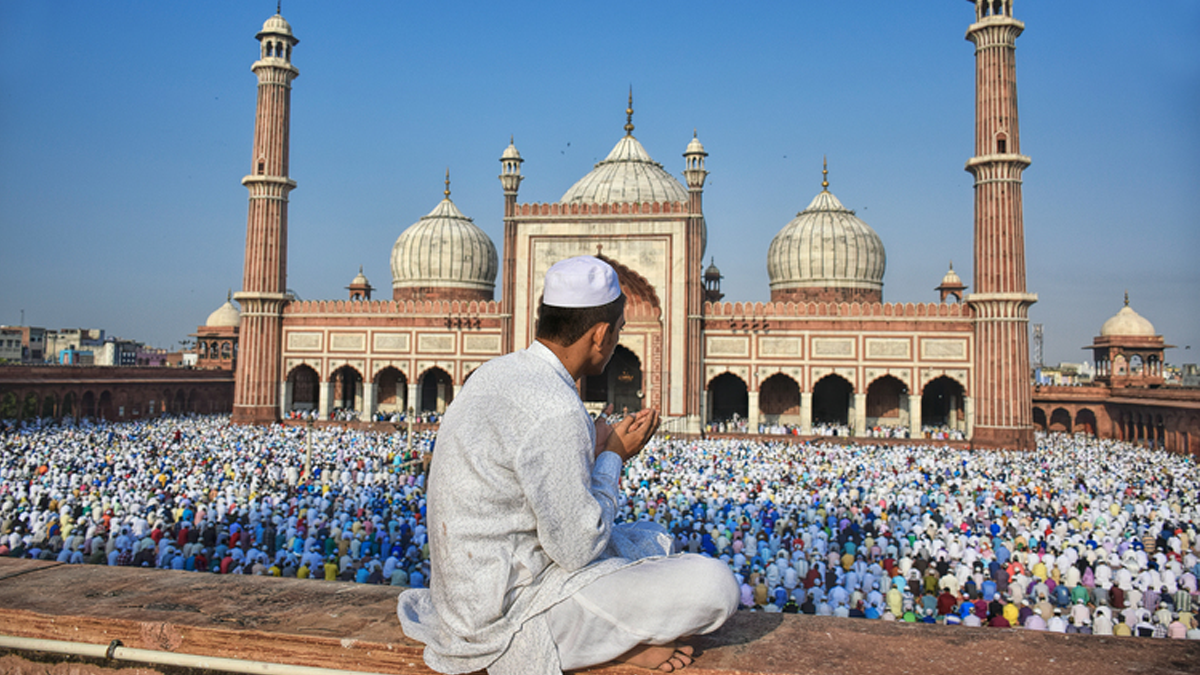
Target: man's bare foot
{"x": 665, "y": 658}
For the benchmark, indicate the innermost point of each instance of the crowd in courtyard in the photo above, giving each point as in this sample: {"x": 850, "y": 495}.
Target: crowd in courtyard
{"x": 1084, "y": 535}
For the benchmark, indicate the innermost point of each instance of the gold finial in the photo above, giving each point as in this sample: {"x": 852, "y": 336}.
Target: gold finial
{"x": 1126, "y": 297}
{"x": 825, "y": 173}
{"x": 447, "y": 191}
{"x": 694, "y": 136}
{"x": 629, "y": 114}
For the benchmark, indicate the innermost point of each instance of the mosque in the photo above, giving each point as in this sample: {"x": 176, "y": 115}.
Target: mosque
{"x": 825, "y": 351}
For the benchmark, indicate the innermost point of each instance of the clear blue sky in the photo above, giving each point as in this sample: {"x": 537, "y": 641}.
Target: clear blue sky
{"x": 125, "y": 129}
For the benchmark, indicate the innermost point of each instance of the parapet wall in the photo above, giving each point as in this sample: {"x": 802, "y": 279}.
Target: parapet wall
{"x": 897, "y": 310}
{"x": 392, "y": 307}
{"x": 625, "y": 209}
{"x": 346, "y": 626}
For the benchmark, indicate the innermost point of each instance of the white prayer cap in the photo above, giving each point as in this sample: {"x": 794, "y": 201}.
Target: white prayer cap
{"x": 583, "y": 281}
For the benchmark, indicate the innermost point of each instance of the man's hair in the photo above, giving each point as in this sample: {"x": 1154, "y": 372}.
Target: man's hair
{"x": 564, "y": 325}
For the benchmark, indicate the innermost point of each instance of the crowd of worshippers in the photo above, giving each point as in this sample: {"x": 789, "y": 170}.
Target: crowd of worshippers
{"x": 1083, "y": 535}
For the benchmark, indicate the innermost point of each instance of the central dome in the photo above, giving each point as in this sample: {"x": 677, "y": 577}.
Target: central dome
{"x": 444, "y": 256}
{"x": 627, "y": 175}
{"x": 826, "y": 254}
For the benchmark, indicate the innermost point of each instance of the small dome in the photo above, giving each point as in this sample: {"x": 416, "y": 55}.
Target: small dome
{"x": 510, "y": 152}
{"x": 360, "y": 279}
{"x": 826, "y": 247}
{"x": 627, "y": 175}
{"x": 276, "y": 25}
{"x": 1127, "y": 323}
{"x": 951, "y": 278}
{"x": 695, "y": 146}
{"x": 444, "y": 249}
{"x": 712, "y": 272}
{"x": 226, "y": 316}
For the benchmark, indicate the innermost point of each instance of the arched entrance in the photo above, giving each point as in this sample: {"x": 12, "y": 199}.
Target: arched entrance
{"x": 1039, "y": 419}
{"x": 437, "y": 390}
{"x": 729, "y": 398}
{"x": 942, "y": 404}
{"x": 391, "y": 390}
{"x": 831, "y": 401}
{"x": 104, "y": 408}
{"x": 885, "y": 398}
{"x": 29, "y": 409}
{"x": 304, "y": 381}
{"x": 68, "y": 405}
{"x": 779, "y": 400}
{"x": 347, "y": 388}
{"x": 8, "y": 406}
{"x": 87, "y": 405}
{"x": 48, "y": 406}
{"x": 620, "y": 384}
{"x": 1060, "y": 420}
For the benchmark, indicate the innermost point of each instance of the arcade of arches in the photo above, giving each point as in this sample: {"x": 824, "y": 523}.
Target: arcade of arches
{"x": 834, "y": 404}
{"x": 111, "y": 393}
{"x": 1171, "y": 421}
{"x": 388, "y": 391}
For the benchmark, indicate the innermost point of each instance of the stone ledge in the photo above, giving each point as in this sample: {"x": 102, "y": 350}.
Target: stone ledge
{"x": 354, "y": 627}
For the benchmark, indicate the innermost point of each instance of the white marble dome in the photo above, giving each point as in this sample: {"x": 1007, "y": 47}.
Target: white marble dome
{"x": 826, "y": 246}
{"x": 444, "y": 249}
{"x": 276, "y": 25}
{"x": 1127, "y": 323}
{"x": 627, "y": 175}
{"x": 225, "y": 316}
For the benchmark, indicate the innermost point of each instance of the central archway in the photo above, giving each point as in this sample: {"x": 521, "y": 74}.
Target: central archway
{"x": 620, "y": 384}
{"x": 437, "y": 390}
{"x": 392, "y": 390}
{"x": 942, "y": 404}
{"x": 779, "y": 399}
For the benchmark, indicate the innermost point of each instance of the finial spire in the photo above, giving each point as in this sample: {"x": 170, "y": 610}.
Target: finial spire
{"x": 629, "y": 114}
{"x": 229, "y": 296}
{"x": 447, "y": 191}
{"x": 825, "y": 173}
{"x": 1126, "y": 297}
{"x": 951, "y": 265}
{"x": 360, "y": 269}
{"x": 279, "y": 7}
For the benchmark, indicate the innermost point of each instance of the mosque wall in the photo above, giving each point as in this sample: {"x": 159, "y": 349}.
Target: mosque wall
{"x": 119, "y": 393}
{"x": 1167, "y": 417}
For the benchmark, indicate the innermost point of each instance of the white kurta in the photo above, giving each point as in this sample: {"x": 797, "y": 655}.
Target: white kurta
{"x": 520, "y": 518}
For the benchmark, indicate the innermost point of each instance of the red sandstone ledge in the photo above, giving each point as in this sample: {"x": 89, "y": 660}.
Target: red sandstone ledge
{"x": 354, "y": 627}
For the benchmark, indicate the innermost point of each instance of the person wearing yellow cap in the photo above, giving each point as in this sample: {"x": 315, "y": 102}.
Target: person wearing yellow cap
{"x": 529, "y": 573}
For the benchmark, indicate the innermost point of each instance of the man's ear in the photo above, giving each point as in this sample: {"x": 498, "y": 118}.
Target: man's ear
{"x": 598, "y": 334}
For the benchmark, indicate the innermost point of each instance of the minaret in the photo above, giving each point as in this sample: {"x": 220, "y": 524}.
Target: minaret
{"x": 694, "y": 173}
{"x": 510, "y": 180}
{"x": 1000, "y": 304}
{"x": 264, "y": 281}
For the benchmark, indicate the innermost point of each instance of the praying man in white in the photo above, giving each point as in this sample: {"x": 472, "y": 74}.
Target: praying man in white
{"x": 529, "y": 573}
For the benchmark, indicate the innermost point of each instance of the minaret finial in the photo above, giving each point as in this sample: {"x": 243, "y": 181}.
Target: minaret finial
{"x": 951, "y": 265}
{"x": 279, "y": 7}
{"x": 360, "y": 269}
{"x": 1126, "y": 297}
{"x": 512, "y": 139}
{"x": 229, "y": 296}
{"x": 629, "y": 114}
{"x": 825, "y": 173}
{"x": 447, "y": 191}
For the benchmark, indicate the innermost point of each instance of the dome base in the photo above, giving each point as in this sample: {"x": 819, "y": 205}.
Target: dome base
{"x": 859, "y": 295}
{"x": 420, "y": 293}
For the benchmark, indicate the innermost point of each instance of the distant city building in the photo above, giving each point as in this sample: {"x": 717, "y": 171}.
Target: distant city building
{"x": 72, "y": 339}
{"x": 10, "y": 345}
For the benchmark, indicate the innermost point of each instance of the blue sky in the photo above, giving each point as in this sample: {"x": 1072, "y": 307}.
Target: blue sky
{"x": 125, "y": 129}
